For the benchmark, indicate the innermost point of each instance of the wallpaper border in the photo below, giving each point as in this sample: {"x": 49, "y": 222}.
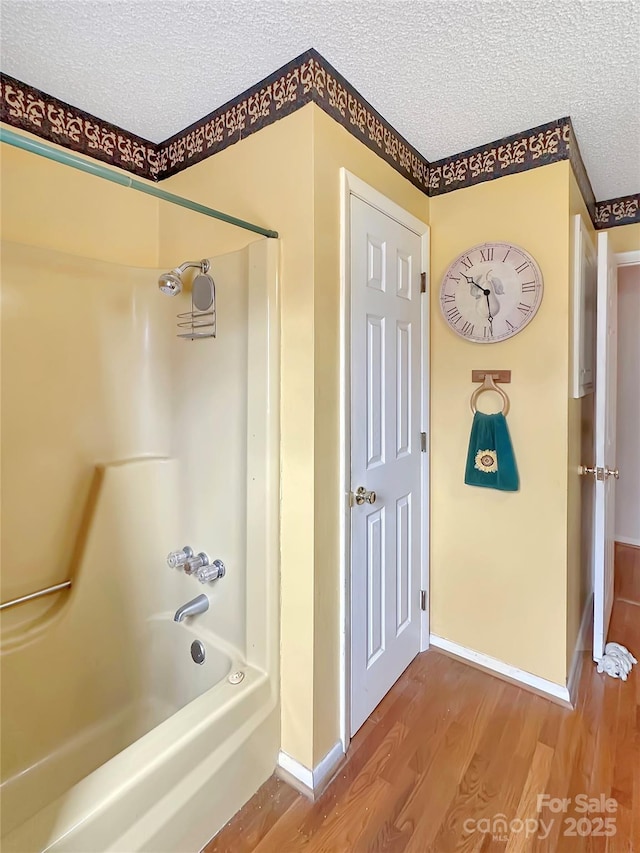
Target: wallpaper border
{"x": 305, "y": 79}
{"x": 624, "y": 210}
{"x": 29, "y": 109}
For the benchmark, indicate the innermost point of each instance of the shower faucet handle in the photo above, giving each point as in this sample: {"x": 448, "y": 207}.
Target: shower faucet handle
{"x": 198, "y": 565}
{"x": 196, "y": 562}
{"x": 211, "y": 572}
{"x": 178, "y": 559}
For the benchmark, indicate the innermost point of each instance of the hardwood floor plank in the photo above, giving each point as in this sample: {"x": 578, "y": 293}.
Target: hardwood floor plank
{"x": 527, "y": 810}
{"x": 479, "y": 786}
{"x": 437, "y": 787}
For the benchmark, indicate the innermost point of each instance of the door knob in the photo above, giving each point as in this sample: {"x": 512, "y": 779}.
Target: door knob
{"x": 587, "y": 469}
{"x": 600, "y": 473}
{"x": 363, "y": 496}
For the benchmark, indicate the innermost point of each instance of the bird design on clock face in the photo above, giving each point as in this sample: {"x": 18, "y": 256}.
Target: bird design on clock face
{"x": 491, "y": 292}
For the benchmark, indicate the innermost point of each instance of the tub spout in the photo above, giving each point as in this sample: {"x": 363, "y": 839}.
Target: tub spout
{"x": 200, "y": 604}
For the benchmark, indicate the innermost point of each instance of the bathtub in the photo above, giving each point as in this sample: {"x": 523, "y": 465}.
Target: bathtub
{"x": 176, "y": 745}
{"x": 113, "y": 738}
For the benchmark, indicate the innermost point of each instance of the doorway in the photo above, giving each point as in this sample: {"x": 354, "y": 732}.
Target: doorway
{"x": 627, "y": 514}
{"x": 616, "y": 420}
{"x": 385, "y": 438}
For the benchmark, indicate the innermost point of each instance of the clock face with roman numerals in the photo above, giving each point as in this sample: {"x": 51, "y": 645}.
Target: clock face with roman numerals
{"x": 491, "y": 292}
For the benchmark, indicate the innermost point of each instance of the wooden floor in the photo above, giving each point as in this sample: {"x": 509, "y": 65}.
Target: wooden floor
{"x": 451, "y": 750}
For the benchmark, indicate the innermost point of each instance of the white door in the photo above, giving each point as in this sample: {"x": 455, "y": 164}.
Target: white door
{"x": 605, "y": 441}
{"x": 385, "y": 265}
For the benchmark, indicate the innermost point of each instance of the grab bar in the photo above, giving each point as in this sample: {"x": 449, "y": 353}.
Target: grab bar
{"x": 47, "y": 591}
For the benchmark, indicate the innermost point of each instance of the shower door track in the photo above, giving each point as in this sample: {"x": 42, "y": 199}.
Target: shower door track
{"x": 34, "y": 146}
{"x": 38, "y": 594}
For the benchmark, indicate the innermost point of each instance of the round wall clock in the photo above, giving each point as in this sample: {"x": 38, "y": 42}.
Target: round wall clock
{"x": 491, "y": 292}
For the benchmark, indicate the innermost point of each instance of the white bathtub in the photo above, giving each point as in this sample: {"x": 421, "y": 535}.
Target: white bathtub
{"x": 175, "y": 744}
{"x": 168, "y": 679}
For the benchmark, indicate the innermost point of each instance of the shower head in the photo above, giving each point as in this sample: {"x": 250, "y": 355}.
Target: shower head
{"x": 170, "y": 283}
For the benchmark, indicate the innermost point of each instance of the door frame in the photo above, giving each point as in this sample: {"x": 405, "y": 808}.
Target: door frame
{"x": 351, "y": 185}
{"x": 621, "y": 259}
{"x": 626, "y": 259}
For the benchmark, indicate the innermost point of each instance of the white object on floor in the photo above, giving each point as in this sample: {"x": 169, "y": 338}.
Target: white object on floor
{"x": 616, "y": 661}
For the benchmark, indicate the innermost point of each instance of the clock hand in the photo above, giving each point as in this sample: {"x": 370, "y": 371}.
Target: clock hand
{"x": 490, "y": 317}
{"x": 475, "y": 284}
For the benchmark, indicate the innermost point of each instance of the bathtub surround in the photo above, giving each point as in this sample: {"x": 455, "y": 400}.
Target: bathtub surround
{"x": 80, "y": 273}
{"x": 305, "y": 79}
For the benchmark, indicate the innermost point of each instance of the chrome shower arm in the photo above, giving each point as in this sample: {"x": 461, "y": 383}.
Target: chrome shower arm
{"x": 202, "y": 265}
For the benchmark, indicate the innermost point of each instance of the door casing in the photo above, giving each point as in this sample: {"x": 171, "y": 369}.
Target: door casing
{"x": 621, "y": 259}
{"x": 350, "y": 185}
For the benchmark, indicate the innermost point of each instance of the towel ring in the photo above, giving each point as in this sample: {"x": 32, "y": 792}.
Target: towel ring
{"x": 489, "y": 385}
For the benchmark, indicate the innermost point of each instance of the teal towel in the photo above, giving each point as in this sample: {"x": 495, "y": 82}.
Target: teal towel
{"x": 490, "y": 460}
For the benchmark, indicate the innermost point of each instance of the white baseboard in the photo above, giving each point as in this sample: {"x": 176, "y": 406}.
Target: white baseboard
{"x": 627, "y": 540}
{"x": 584, "y": 641}
{"x": 311, "y": 783}
{"x": 505, "y": 670}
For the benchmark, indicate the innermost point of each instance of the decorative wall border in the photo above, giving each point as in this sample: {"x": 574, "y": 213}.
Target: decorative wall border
{"x": 337, "y": 97}
{"x": 548, "y": 143}
{"x": 307, "y": 78}
{"x": 278, "y": 95}
{"x": 30, "y": 109}
{"x": 617, "y": 211}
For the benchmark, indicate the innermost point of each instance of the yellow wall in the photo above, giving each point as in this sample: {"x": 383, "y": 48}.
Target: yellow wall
{"x": 287, "y": 178}
{"x": 334, "y": 148}
{"x": 625, "y": 238}
{"x": 498, "y": 560}
{"x": 52, "y": 206}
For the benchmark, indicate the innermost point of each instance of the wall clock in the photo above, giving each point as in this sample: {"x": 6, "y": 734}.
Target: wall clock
{"x": 491, "y": 292}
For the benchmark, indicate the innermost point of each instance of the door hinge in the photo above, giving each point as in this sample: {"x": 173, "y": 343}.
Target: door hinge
{"x": 423, "y": 442}
{"x": 423, "y": 599}
{"x": 423, "y": 282}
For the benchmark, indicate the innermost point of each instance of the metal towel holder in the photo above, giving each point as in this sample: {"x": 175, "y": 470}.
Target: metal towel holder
{"x": 489, "y": 378}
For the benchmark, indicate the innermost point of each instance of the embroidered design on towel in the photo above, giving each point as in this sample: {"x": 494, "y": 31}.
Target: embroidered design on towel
{"x": 487, "y": 461}
{"x": 490, "y": 459}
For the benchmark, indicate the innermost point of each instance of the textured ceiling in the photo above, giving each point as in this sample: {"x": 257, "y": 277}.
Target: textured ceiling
{"x": 447, "y": 74}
